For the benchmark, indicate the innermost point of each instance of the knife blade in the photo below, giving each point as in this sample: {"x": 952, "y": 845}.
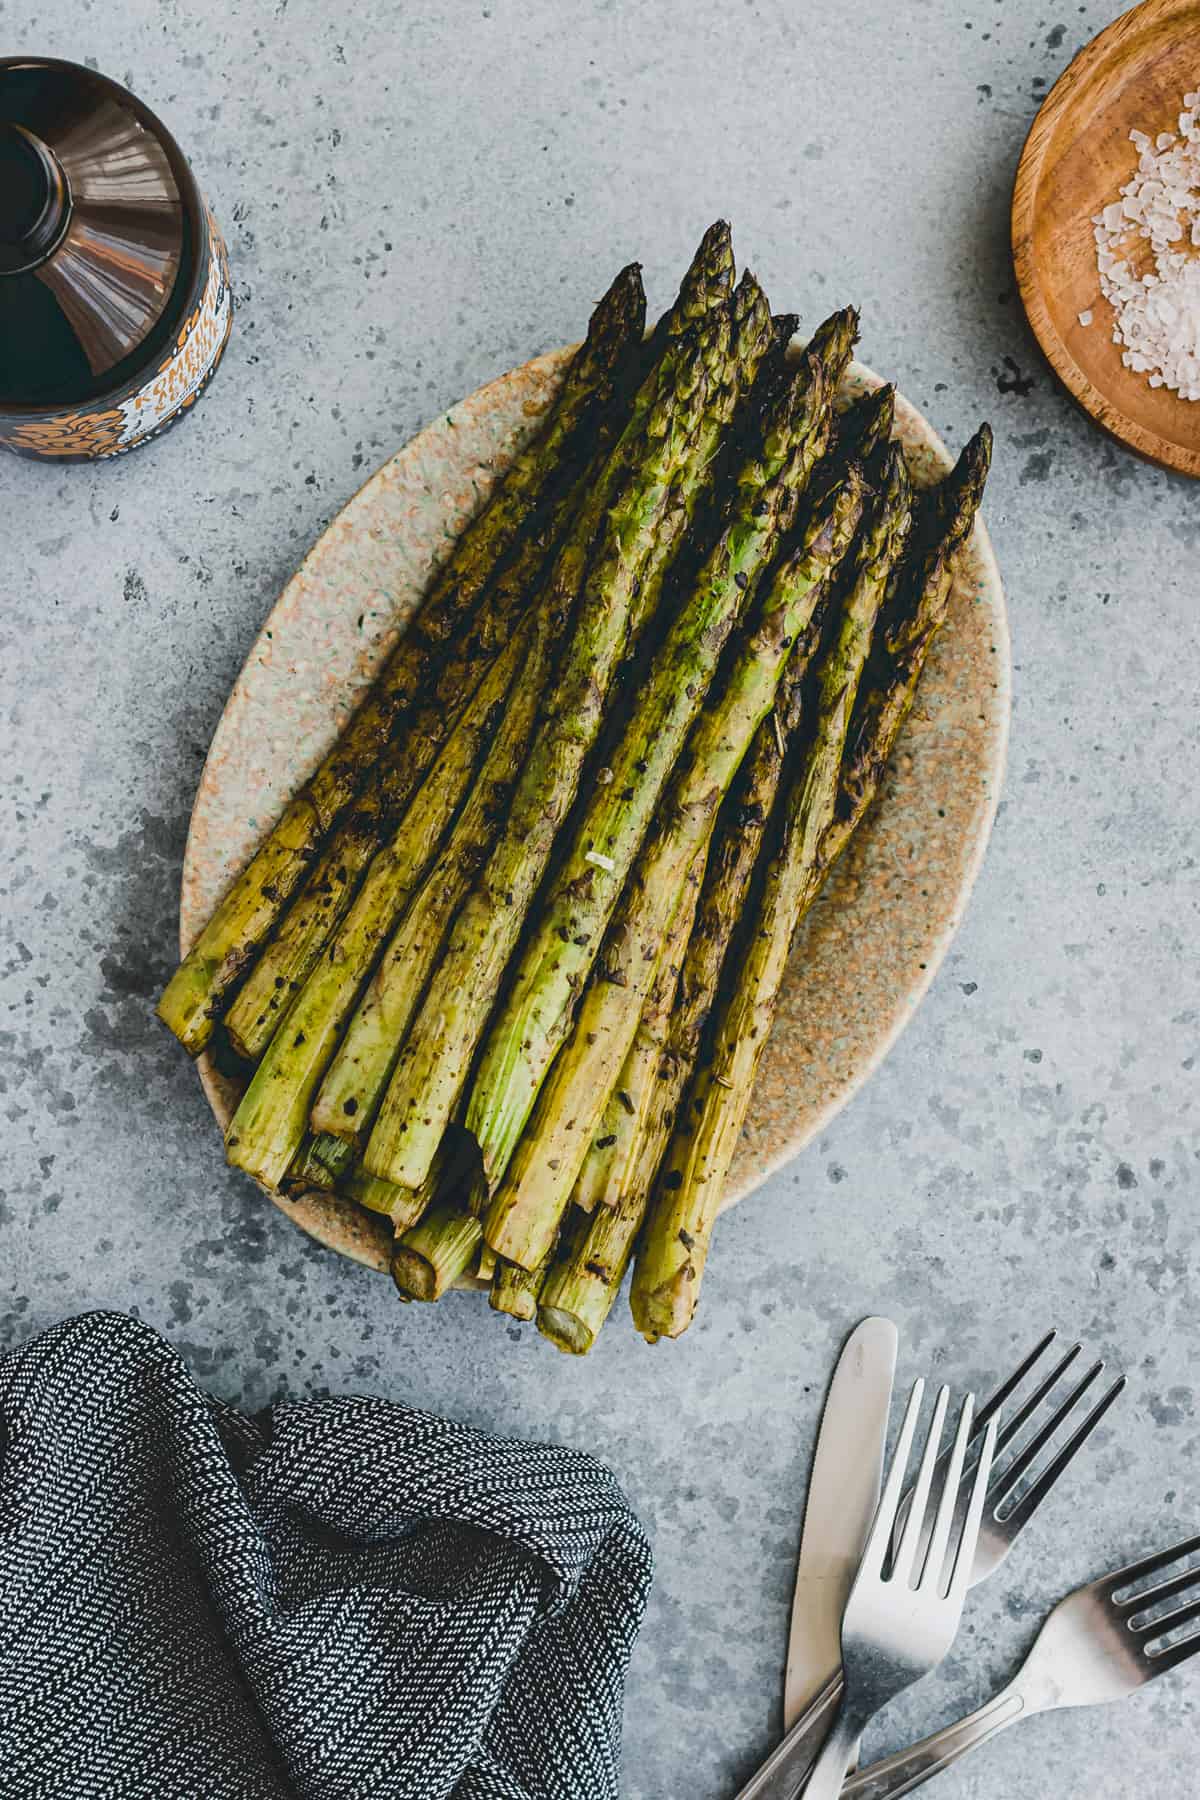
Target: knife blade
{"x": 843, "y": 1492}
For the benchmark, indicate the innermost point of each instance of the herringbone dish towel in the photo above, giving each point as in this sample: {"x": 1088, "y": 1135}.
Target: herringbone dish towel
{"x": 342, "y": 1598}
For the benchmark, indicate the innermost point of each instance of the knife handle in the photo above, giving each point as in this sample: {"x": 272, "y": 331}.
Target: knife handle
{"x": 785, "y": 1771}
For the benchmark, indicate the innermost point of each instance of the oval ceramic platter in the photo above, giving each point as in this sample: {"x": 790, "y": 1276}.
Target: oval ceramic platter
{"x": 870, "y": 947}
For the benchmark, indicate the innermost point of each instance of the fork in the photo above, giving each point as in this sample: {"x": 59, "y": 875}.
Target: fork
{"x": 900, "y": 1621}
{"x": 1002, "y": 1522}
{"x": 1008, "y": 1511}
{"x": 1097, "y": 1645}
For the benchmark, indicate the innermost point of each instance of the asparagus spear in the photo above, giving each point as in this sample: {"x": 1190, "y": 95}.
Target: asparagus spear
{"x": 582, "y": 1286}
{"x": 403, "y": 1206}
{"x": 307, "y": 1170}
{"x": 601, "y": 1179}
{"x": 515, "y": 1290}
{"x": 269, "y": 1125}
{"x": 576, "y": 1291}
{"x": 245, "y": 917}
{"x": 328, "y": 1154}
{"x": 864, "y": 427}
{"x": 567, "y": 933}
{"x": 679, "y": 1227}
{"x": 913, "y": 614}
{"x": 430, "y": 1256}
{"x": 433, "y": 1065}
{"x": 526, "y": 1210}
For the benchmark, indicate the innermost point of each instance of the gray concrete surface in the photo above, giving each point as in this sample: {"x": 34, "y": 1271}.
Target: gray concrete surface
{"x": 416, "y": 198}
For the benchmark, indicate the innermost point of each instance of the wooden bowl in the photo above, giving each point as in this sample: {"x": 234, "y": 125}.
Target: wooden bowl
{"x": 870, "y": 948}
{"x": 1076, "y": 159}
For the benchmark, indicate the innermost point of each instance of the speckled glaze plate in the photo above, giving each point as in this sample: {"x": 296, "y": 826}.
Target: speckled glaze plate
{"x": 870, "y": 947}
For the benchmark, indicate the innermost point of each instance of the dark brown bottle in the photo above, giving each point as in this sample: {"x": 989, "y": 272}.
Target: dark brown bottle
{"x": 114, "y": 286}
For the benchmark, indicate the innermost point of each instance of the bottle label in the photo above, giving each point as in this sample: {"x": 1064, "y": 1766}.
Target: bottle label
{"x": 113, "y": 427}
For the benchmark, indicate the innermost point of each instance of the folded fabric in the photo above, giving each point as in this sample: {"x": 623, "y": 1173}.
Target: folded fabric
{"x": 337, "y": 1598}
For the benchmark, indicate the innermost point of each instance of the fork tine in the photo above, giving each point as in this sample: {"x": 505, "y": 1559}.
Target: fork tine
{"x": 1023, "y": 1415}
{"x": 1149, "y": 1565}
{"x": 1033, "y": 1497}
{"x": 906, "y": 1555}
{"x": 880, "y": 1535}
{"x": 935, "y": 1560}
{"x": 1166, "y": 1590}
{"x": 964, "y": 1555}
{"x": 1025, "y": 1412}
{"x": 1005, "y": 1483}
{"x": 1172, "y": 1621}
{"x": 1172, "y": 1657}
{"x": 994, "y": 1402}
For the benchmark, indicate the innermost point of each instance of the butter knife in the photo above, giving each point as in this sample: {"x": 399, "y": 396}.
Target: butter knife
{"x": 843, "y": 1492}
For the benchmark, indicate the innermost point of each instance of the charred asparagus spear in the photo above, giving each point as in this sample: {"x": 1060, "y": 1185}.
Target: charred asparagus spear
{"x": 354, "y": 1082}
{"x": 568, "y": 931}
{"x": 678, "y": 1230}
{"x": 525, "y": 1212}
{"x": 430, "y": 1256}
{"x": 581, "y": 1287}
{"x": 515, "y": 1291}
{"x": 602, "y": 1177}
{"x": 270, "y": 1123}
{"x": 433, "y": 1065}
{"x": 915, "y": 611}
{"x": 196, "y": 993}
{"x": 403, "y": 1206}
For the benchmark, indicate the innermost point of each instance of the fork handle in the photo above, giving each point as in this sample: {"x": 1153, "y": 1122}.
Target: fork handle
{"x": 782, "y": 1776}
{"x": 909, "y": 1769}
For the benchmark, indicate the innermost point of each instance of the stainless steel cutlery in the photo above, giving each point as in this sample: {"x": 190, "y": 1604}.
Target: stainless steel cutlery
{"x": 1101, "y": 1643}
{"x": 843, "y": 1493}
{"x": 906, "y": 1602}
{"x": 847, "y": 1462}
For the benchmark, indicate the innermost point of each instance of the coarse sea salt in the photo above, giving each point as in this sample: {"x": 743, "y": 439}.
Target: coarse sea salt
{"x": 1157, "y": 311}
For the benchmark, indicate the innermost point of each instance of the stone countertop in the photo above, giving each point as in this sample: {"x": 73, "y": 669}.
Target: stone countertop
{"x": 415, "y": 200}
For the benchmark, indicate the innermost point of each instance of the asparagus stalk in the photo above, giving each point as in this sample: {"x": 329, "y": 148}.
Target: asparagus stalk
{"x": 567, "y": 933}
{"x": 865, "y": 426}
{"x": 403, "y": 1206}
{"x": 581, "y": 1288}
{"x": 577, "y": 1286}
{"x": 269, "y": 1125}
{"x": 433, "y": 1065}
{"x": 307, "y": 1170}
{"x": 913, "y": 614}
{"x": 329, "y": 1154}
{"x": 525, "y": 1212}
{"x": 430, "y": 1256}
{"x": 485, "y": 1263}
{"x": 674, "y": 1246}
{"x": 219, "y": 958}
{"x": 601, "y": 1179}
{"x": 515, "y": 1290}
